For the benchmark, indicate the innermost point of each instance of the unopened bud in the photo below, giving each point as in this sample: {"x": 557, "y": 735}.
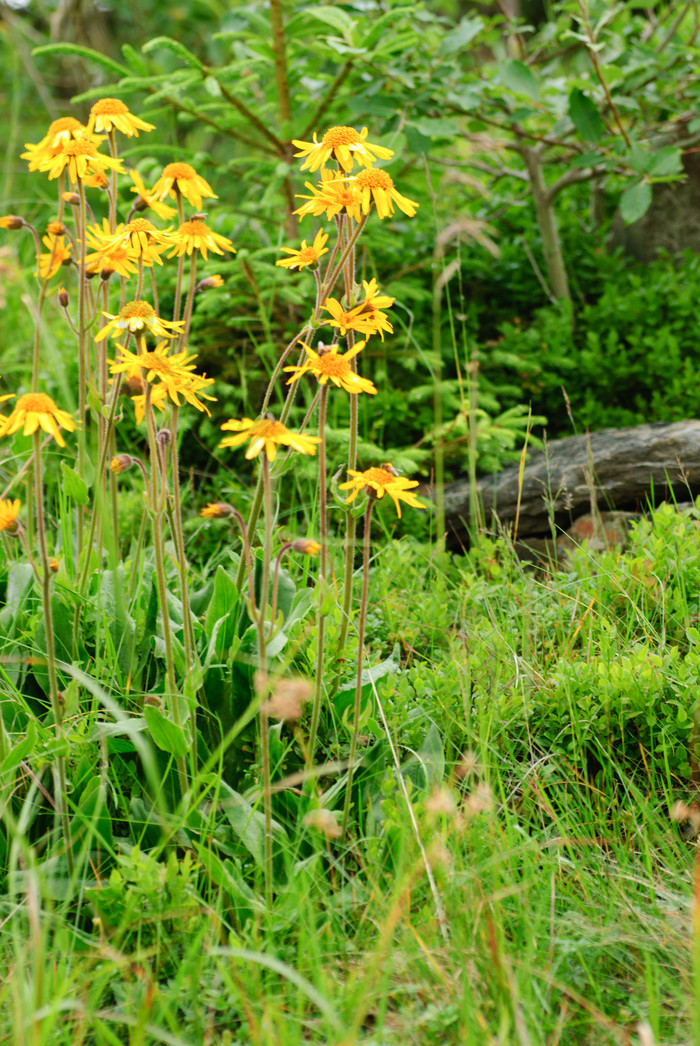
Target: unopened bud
{"x": 63, "y": 297}
{"x": 216, "y": 510}
{"x": 56, "y": 229}
{"x": 106, "y": 273}
{"x": 12, "y": 221}
{"x": 208, "y": 283}
{"x": 121, "y": 463}
{"x": 72, "y": 199}
{"x": 140, "y": 204}
{"x": 164, "y": 437}
{"x": 306, "y": 546}
{"x": 132, "y": 386}
{"x": 53, "y": 565}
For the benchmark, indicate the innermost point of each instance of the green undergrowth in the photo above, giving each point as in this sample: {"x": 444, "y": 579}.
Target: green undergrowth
{"x": 525, "y": 737}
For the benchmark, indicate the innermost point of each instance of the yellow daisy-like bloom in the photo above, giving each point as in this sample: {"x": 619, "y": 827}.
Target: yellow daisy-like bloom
{"x": 111, "y": 114}
{"x": 107, "y": 260}
{"x": 346, "y": 145}
{"x": 378, "y": 186}
{"x": 381, "y": 481}
{"x": 184, "y": 178}
{"x": 145, "y": 198}
{"x": 305, "y": 255}
{"x": 195, "y": 235}
{"x": 141, "y": 236}
{"x": 367, "y": 317}
{"x": 334, "y": 366}
{"x": 174, "y": 372}
{"x": 58, "y": 253}
{"x": 37, "y": 410}
{"x": 60, "y": 131}
{"x": 332, "y": 196}
{"x": 268, "y": 435}
{"x": 137, "y": 316}
{"x": 9, "y": 510}
{"x": 80, "y": 157}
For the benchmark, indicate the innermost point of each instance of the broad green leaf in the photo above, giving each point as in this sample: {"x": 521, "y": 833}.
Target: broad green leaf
{"x": 460, "y": 36}
{"x": 83, "y": 52}
{"x": 516, "y": 76}
{"x": 666, "y": 161}
{"x": 635, "y": 202}
{"x": 333, "y": 16}
{"x": 168, "y": 44}
{"x": 19, "y": 751}
{"x": 435, "y": 128}
{"x": 167, "y": 736}
{"x": 585, "y": 116}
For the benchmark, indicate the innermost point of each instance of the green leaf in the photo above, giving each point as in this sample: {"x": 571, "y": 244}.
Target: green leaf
{"x": 666, "y": 161}
{"x": 516, "y": 76}
{"x": 435, "y": 128}
{"x": 83, "y": 52}
{"x": 460, "y": 36}
{"x": 168, "y": 737}
{"x": 635, "y": 202}
{"x": 134, "y": 60}
{"x": 19, "y": 751}
{"x": 585, "y": 116}
{"x": 74, "y": 485}
{"x": 333, "y": 16}
{"x": 168, "y": 44}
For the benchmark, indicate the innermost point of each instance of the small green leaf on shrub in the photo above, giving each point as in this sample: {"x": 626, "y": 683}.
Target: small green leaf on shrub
{"x": 585, "y": 116}
{"x": 516, "y": 76}
{"x": 460, "y": 36}
{"x": 333, "y": 16}
{"x": 635, "y": 202}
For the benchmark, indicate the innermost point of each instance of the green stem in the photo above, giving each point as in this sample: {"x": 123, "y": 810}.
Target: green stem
{"x": 181, "y": 259}
{"x": 61, "y": 804}
{"x": 360, "y": 658}
{"x": 262, "y": 688}
{"x": 188, "y": 627}
{"x": 323, "y": 571}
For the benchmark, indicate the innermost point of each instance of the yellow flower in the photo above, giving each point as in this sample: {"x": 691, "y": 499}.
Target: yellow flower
{"x": 144, "y": 239}
{"x": 35, "y": 410}
{"x": 216, "y": 510}
{"x": 185, "y": 179}
{"x": 367, "y": 317}
{"x": 305, "y": 255}
{"x": 145, "y": 199}
{"x": 330, "y": 365}
{"x": 58, "y": 253}
{"x": 98, "y": 180}
{"x": 79, "y": 156}
{"x": 120, "y": 463}
{"x": 268, "y": 434}
{"x": 62, "y": 130}
{"x": 9, "y": 510}
{"x": 159, "y": 400}
{"x": 138, "y": 316}
{"x": 330, "y": 197}
{"x": 381, "y": 481}
{"x": 174, "y": 372}
{"x": 11, "y": 221}
{"x": 114, "y": 253}
{"x": 111, "y": 113}
{"x": 195, "y": 235}
{"x": 345, "y": 144}
{"x": 377, "y": 185}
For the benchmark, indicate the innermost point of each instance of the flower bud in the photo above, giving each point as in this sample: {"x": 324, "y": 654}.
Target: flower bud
{"x": 72, "y": 199}
{"x": 56, "y": 229}
{"x": 12, "y": 221}
{"x": 164, "y": 437}
{"x": 216, "y": 510}
{"x": 53, "y": 565}
{"x": 306, "y": 546}
{"x": 121, "y": 463}
{"x": 63, "y": 297}
{"x": 208, "y": 283}
{"x": 106, "y": 273}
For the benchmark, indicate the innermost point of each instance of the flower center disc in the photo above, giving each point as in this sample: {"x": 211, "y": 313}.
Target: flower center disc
{"x": 341, "y": 136}
{"x": 36, "y": 403}
{"x": 178, "y": 170}
{"x": 137, "y": 308}
{"x": 371, "y": 178}
{"x": 109, "y": 107}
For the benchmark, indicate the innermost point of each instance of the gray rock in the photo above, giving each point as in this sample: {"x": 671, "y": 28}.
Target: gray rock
{"x": 620, "y": 469}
